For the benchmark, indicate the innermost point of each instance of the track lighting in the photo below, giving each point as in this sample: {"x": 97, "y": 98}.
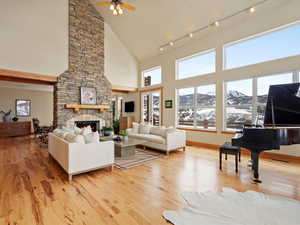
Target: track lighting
{"x": 252, "y": 10}
{"x": 217, "y": 23}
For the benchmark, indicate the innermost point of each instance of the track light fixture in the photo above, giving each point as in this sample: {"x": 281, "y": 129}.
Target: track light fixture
{"x": 216, "y": 23}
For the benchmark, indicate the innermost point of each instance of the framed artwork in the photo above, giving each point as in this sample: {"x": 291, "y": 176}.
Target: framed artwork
{"x": 23, "y": 108}
{"x": 168, "y": 104}
{"x": 88, "y": 96}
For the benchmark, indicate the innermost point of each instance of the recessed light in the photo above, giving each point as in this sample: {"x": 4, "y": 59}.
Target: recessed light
{"x": 171, "y": 43}
{"x": 191, "y": 35}
{"x": 217, "y": 23}
{"x": 161, "y": 49}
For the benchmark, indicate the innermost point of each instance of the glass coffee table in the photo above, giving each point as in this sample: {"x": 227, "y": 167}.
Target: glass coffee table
{"x": 124, "y": 148}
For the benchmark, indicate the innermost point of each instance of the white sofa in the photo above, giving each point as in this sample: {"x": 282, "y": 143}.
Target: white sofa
{"x": 166, "y": 140}
{"x": 76, "y": 158}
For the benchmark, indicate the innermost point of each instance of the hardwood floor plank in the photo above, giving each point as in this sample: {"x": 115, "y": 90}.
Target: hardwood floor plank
{"x": 35, "y": 190}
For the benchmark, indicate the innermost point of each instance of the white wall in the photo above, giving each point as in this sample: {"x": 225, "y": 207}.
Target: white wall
{"x": 41, "y": 103}
{"x": 34, "y": 36}
{"x": 121, "y": 68}
{"x": 240, "y": 28}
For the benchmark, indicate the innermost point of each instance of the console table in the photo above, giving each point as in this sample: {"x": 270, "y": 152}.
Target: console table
{"x": 14, "y": 129}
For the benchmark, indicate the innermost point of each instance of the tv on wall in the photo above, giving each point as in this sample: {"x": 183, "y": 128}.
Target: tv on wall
{"x": 129, "y": 107}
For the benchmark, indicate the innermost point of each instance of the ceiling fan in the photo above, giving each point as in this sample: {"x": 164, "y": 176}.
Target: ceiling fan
{"x": 117, "y": 6}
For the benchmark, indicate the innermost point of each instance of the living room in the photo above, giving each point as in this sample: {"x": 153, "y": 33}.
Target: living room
{"x": 111, "y": 115}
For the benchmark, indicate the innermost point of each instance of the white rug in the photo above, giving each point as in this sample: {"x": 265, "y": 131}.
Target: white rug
{"x": 235, "y": 208}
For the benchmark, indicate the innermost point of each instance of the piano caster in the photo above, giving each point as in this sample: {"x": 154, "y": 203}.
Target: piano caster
{"x": 256, "y": 181}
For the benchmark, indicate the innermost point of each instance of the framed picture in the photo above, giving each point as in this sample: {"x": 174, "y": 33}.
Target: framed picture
{"x": 23, "y": 108}
{"x": 88, "y": 96}
{"x": 168, "y": 104}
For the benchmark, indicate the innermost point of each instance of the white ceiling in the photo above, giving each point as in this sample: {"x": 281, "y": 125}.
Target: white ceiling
{"x": 156, "y": 22}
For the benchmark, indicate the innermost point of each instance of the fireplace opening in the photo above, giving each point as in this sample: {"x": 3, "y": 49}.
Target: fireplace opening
{"x": 95, "y": 125}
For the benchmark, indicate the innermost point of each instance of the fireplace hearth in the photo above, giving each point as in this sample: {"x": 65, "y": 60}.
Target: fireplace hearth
{"x": 95, "y": 125}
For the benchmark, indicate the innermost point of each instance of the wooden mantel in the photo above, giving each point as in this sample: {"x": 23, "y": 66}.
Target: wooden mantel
{"x": 77, "y": 108}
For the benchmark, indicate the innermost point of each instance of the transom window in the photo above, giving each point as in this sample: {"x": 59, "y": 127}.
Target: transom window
{"x": 197, "y": 107}
{"x": 281, "y": 43}
{"x": 195, "y": 65}
{"x": 151, "y": 76}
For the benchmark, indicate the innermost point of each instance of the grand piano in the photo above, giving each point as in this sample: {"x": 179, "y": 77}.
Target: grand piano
{"x": 281, "y": 125}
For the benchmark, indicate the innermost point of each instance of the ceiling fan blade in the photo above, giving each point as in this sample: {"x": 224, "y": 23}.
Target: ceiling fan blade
{"x": 103, "y": 3}
{"x": 127, "y": 6}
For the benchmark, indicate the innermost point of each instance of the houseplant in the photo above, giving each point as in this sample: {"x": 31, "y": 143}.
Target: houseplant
{"x": 124, "y": 134}
{"x": 107, "y": 131}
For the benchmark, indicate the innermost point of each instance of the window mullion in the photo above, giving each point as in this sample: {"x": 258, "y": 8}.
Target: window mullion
{"x": 195, "y": 105}
{"x": 254, "y": 99}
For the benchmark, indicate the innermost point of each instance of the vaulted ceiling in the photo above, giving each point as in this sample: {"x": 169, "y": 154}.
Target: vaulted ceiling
{"x": 156, "y": 22}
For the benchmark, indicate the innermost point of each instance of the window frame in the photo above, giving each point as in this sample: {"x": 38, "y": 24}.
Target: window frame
{"x": 195, "y": 106}
{"x": 192, "y": 56}
{"x": 251, "y": 37}
{"x": 148, "y": 70}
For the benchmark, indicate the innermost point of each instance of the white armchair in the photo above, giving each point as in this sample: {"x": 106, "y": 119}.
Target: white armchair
{"x": 76, "y": 158}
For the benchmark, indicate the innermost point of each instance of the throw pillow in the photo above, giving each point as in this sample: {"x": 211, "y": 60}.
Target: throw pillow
{"x": 86, "y": 130}
{"x": 77, "y": 130}
{"x": 135, "y": 128}
{"x": 144, "y": 129}
{"x": 92, "y": 138}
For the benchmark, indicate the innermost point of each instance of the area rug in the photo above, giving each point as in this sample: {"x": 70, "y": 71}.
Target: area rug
{"x": 141, "y": 157}
{"x": 235, "y": 208}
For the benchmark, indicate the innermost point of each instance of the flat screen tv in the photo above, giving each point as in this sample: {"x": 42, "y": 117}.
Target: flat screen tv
{"x": 129, "y": 107}
{"x": 283, "y": 106}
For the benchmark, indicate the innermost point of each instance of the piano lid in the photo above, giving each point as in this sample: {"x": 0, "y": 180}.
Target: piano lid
{"x": 283, "y": 106}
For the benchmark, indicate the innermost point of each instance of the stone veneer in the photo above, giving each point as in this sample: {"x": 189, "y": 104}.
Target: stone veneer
{"x": 86, "y": 65}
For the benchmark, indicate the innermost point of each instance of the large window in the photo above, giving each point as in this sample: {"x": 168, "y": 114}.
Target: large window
{"x": 269, "y": 46}
{"x": 151, "y": 76}
{"x": 197, "y": 107}
{"x": 202, "y": 63}
{"x": 245, "y": 100}
{"x": 238, "y": 103}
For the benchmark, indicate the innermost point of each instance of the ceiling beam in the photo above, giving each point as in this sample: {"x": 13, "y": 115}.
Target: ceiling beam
{"x": 24, "y": 77}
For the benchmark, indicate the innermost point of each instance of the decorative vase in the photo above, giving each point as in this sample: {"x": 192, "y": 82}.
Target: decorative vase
{"x": 7, "y": 118}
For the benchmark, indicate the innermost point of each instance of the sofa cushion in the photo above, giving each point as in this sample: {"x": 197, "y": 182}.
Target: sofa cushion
{"x": 160, "y": 131}
{"x": 144, "y": 129}
{"x": 149, "y": 137}
{"x": 92, "y": 138}
{"x": 168, "y": 131}
{"x": 73, "y": 138}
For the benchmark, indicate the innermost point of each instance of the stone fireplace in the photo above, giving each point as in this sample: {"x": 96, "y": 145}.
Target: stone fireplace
{"x": 86, "y": 67}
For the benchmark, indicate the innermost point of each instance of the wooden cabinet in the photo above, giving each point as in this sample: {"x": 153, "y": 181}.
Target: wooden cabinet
{"x": 14, "y": 129}
{"x": 126, "y": 122}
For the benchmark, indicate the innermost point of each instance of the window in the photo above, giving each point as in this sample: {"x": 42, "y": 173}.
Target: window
{"x": 273, "y": 45}
{"x": 238, "y": 103}
{"x": 151, "y": 76}
{"x": 197, "y": 107}
{"x": 245, "y": 100}
{"x": 151, "y": 108}
{"x": 263, "y": 84}
{"x": 196, "y": 65}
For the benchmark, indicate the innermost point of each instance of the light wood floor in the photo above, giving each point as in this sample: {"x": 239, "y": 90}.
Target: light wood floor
{"x": 35, "y": 190}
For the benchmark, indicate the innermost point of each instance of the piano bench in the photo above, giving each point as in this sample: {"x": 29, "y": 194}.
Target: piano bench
{"x": 226, "y": 149}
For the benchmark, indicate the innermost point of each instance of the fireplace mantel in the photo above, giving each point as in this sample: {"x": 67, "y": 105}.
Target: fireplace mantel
{"x": 77, "y": 108}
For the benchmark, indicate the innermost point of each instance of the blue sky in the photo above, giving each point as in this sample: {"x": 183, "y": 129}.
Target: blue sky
{"x": 278, "y": 44}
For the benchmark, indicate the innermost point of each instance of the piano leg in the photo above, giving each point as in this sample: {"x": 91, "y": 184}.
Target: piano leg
{"x": 255, "y": 160}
